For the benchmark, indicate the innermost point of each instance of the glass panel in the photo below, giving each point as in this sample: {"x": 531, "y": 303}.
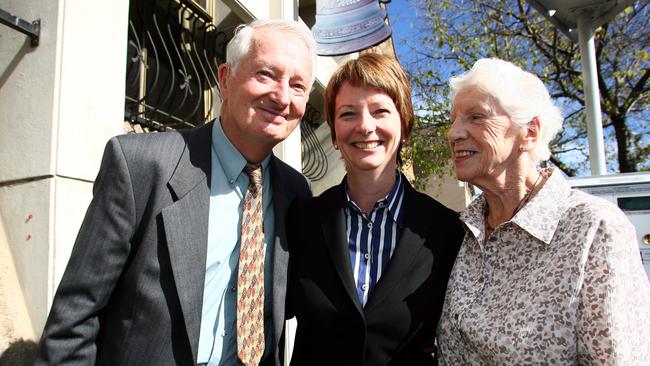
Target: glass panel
{"x": 634, "y": 203}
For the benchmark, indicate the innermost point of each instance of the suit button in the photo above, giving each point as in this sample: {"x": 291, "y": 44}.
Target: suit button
{"x": 364, "y": 287}
{"x": 370, "y": 225}
{"x": 366, "y": 256}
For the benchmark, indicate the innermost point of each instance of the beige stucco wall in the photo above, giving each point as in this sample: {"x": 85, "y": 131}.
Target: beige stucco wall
{"x": 60, "y": 102}
{"x": 15, "y": 322}
{"x": 448, "y": 191}
{"x": 27, "y": 87}
{"x": 26, "y": 217}
{"x": 27, "y": 83}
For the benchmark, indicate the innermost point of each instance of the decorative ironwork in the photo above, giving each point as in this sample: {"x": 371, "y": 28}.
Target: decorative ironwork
{"x": 32, "y": 29}
{"x": 314, "y": 158}
{"x": 173, "y": 53}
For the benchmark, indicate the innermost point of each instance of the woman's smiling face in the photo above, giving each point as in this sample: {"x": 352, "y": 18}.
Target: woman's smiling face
{"x": 484, "y": 140}
{"x": 368, "y": 128}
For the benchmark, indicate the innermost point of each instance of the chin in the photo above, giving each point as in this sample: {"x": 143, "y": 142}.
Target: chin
{"x": 368, "y": 166}
{"x": 274, "y": 130}
{"x": 463, "y": 177}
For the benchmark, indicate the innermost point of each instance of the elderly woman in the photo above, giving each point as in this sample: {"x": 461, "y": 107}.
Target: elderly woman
{"x": 546, "y": 274}
{"x": 369, "y": 266}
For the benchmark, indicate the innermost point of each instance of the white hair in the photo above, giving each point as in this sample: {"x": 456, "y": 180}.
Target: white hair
{"x": 240, "y": 44}
{"x": 521, "y": 94}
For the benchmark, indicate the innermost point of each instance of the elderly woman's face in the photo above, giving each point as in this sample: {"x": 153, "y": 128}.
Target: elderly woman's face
{"x": 484, "y": 140}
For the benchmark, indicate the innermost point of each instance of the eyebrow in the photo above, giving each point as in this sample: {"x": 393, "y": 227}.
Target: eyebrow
{"x": 275, "y": 69}
{"x": 265, "y": 65}
{"x": 345, "y": 106}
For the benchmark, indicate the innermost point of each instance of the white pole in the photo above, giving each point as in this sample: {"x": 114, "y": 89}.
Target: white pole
{"x": 592, "y": 94}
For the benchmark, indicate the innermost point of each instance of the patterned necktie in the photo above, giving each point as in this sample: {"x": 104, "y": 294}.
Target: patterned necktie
{"x": 250, "y": 276}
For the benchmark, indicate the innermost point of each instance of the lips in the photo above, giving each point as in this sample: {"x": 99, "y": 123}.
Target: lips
{"x": 463, "y": 153}
{"x": 367, "y": 145}
{"x": 273, "y": 114}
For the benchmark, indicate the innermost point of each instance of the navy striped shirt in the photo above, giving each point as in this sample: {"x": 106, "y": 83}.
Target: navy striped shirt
{"x": 372, "y": 238}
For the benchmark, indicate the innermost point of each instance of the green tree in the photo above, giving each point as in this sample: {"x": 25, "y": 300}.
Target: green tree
{"x": 453, "y": 34}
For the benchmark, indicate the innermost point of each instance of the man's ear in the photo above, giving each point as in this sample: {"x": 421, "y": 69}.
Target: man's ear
{"x": 223, "y": 72}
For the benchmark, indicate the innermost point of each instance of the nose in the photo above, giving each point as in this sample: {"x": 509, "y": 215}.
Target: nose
{"x": 367, "y": 123}
{"x": 281, "y": 93}
{"x": 456, "y": 131}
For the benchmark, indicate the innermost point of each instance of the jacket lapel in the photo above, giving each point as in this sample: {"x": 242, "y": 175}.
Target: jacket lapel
{"x": 186, "y": 227}
{"x": 281, "y": 201}
{"x": 409, "y": 245}
{"x": 335, "y": 236}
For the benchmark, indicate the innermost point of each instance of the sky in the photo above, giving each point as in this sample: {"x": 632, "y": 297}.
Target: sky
{"x": 402, "y": 17}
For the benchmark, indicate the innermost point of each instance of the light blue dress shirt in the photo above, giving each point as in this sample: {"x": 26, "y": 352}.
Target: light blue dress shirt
{"x": 218, "y": 337}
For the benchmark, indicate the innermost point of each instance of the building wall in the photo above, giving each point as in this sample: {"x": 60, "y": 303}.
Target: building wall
{"x": 60, "y": 102}
{"x": 27, "y": 85}
{"x": 448, "y": 191}
{"x": 15, "y": 322}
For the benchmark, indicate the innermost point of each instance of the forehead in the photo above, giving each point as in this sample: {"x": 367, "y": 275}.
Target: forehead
{"x": 279, "y": 48}
{"x": 359, "y": 93}
{"x": 473, "y": 97}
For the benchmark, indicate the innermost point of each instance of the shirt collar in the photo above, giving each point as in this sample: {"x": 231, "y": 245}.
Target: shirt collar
{"x": 231, "y": 160}
{"x": 540, "y": 216}
{"x": 474, "y": 217}
{"x": 394, "y": 200}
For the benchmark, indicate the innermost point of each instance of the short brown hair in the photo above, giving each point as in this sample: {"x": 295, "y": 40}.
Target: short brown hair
{"x": 373, "y": 71}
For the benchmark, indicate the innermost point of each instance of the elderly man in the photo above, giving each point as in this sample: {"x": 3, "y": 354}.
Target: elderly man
{"x": 181, "y": 259}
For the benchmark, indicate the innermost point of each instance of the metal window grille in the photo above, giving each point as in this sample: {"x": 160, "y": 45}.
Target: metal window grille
{"x": 314, "y": 158}
{"x": 173, "y": 53}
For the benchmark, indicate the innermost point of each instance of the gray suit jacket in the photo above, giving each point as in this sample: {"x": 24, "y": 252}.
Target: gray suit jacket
{"x": 133, "y": 289}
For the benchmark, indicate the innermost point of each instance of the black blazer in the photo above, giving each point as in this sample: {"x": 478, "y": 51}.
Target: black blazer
{"x": 397, "y": 325}
{"x": 133, "y": 290}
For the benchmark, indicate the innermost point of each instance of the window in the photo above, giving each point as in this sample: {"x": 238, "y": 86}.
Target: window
{"x": 173, "y": 53}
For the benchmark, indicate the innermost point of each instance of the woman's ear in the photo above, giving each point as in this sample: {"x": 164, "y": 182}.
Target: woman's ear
{"x": 405, "y": 136}
{"x": 531, "y": 134}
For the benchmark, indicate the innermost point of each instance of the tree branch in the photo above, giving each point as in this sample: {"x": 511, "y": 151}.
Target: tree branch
{"x": 563, "y": 167}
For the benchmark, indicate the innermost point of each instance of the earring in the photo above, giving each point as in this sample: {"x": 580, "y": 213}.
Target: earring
{"x": 336, "y": 147}
{"x": 521, "y": 148}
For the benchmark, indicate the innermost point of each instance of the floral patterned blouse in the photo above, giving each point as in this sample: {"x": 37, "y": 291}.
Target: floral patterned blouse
{"x": 561, "y": 283}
